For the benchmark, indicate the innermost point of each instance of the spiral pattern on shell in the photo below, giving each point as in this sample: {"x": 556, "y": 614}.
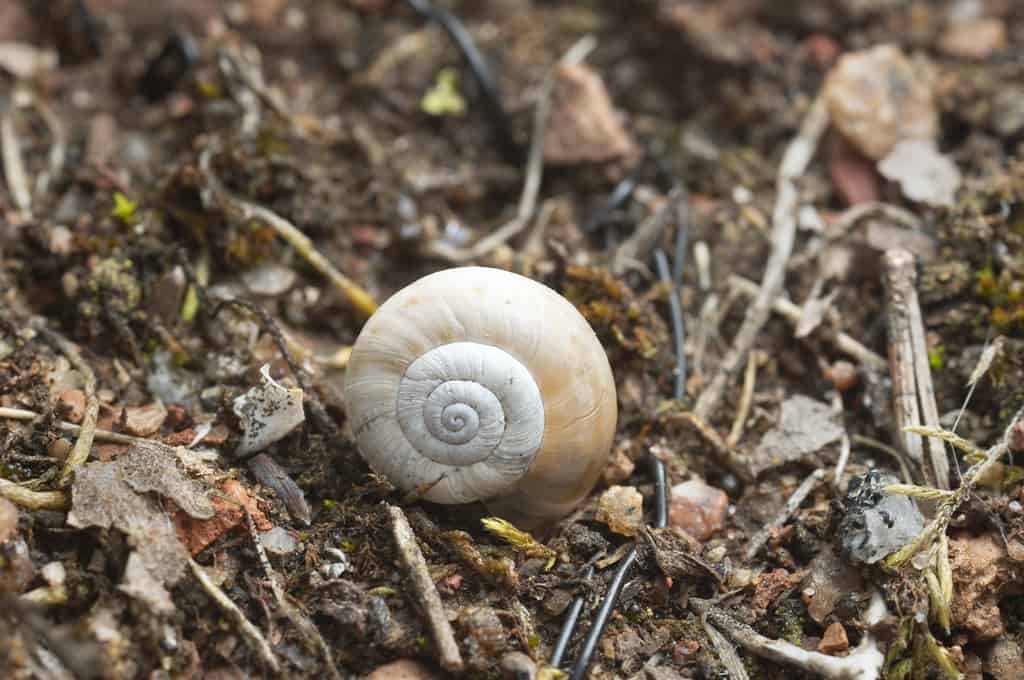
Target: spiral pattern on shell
{"x": 479, "y": 384}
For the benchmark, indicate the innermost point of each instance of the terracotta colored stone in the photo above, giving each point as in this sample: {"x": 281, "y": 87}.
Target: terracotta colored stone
{"x": 698, "y": 509}
{"x": 823, "y": 49}
{"x": 834, "y": 641}
{"x": 74, "y": 402}
{"x": 842, "y": 374}
{"x": 143, "y": 421}
{"x": 180, "y": 438}
{"x": 196, "y": 535}
{"x": 854, "y": 176}
{"x": 584, "y": 125}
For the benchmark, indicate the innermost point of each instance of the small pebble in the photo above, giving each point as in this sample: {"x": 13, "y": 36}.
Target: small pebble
{"x": 518, "y": 666}
{"x": 621, "y": 508}
{"x": 698, "y": 509}
{"x": 404, "y": 669}
{"x": 74, "y": 401}
{"x": 278, "y": 541}
{"x": 143, "y": 421}
{"x": 842, "y": 374}
{"x": 834, "y": 641}
{"x": 878, "y": 97}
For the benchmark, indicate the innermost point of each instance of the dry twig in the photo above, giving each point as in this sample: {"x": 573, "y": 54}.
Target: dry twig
{"x": 33, "y": 500}
{"x": 426, "y": 593}
{"x": 792, "y": 504}
{"x": 913, "y": 394}
{"x": 216, "y": 193}
{"x": 71, "y": 428}
{"x": 746, "y": 398}
{"x": 864, "y": 662}
{"x": 83, "y": 445}
{"x": 791, "y": 312}
{"x": 14, "y": 164}
{"x": 534, "y": 170}
{"x": 794, "y": 162}
{"x": 250, "y": 633}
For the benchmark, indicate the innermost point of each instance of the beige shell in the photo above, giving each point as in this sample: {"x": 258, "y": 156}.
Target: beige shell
{"x": 488, "y": 386}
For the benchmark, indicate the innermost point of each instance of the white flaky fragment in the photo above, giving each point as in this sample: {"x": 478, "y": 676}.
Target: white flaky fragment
{"x": 268, "y": 413}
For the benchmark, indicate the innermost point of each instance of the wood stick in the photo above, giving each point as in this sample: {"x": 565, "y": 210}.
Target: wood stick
{"x": 425, "y": 590}
{"x": 791, "y": 312}
{"x": 794, "y": 163}
{"x": 913, "y": 393}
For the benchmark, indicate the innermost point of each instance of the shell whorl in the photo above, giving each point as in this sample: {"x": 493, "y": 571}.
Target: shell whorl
{"x": 471, "y": 413}
{"x": 479, "y": 384}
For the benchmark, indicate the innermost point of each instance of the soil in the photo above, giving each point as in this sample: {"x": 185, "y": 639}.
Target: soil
{"x": 144, "y": 143}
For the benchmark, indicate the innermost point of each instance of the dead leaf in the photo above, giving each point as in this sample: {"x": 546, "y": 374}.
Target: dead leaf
{"x": 805, "y": 427}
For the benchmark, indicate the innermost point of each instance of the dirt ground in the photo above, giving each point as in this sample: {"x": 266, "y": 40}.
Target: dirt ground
{"x": 202, "y": 203}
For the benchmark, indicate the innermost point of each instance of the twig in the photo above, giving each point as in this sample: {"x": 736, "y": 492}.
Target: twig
{"x": 794, "y": 162}
{"x": 298, "y": 619}
{"x": 900, "y": 457}
{"x": 71, "y": 428}
{"x": 83, "y": 445}
{"x": 619, "y": 195}
{"x": 948, "y": 508}
{"x": 58, "y": 146}
{"x": 862, "y": 663}
{"x": 913, "y": 394}
{"x": 534, "y": 170}
{"x": 844, "y": 458}
{"x": 569, "y": 624}
{"x": 425, "y": 590}
{"x": 33, "y": 500}
{"x": 678, "y": 333}
{"x": 611, "y": 596}
{"x": 673, "y": 210}
{"x": 215, "y": 192}
{"x": 727, "y": 457}
{"x": 850, "y": 218}
{"x": 792, "y": 505}
{"x": 14, "y": 164}
{"x": 791, "y": 312}
{"x": 746, "y": 398}
{"x": 250, "y": 633}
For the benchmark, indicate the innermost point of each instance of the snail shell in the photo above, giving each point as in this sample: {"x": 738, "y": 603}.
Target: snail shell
{"x": 483, "y": 385}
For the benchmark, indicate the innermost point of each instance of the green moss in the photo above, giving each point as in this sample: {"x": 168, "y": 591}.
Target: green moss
{"x": 937, "y": 357}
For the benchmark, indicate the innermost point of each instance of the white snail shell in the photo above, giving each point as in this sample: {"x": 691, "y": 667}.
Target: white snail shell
{"x": 487, "y": 385}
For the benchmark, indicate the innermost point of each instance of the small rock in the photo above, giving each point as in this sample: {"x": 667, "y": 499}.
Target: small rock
{"x": 556, "y": 602}
{"x": 267, "y": 413}
{"x": 853, "y": 175}
{"x": 269, "y": 280}
{"x": 74, "y": 401}
{"x": 829, "y": 580}
{"x": 8, "y": 520}
{"x": 980, "y": 574}
{"x": 619, "y": 468}
{"x": 61, "y": 240}
{"x": 769, "y": 586}
{"x": 143, "y": 421}
{"x": 278, "y": 541}
{"x": 924, "y": 174}
{"x": 842, "y": 374}
{"x": 876, "y": 523}
{"x": 976, "y": 38}
{"x": 518, "y": 666}
{"x": 59, "y": 448}
{"x": 621, "y": 508}
{"x": 877, "y": 97}
{"x": 583, "y": 125}
{"x": 404, "y": 669}
{"x": 698, "y": 509}
{"x": 834, "y": 641}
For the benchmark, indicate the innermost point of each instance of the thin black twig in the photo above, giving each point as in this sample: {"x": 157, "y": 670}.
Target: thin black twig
{"x": 619, "y": 196}
{"x": 678, "y": 331}
{"x": 611, "y": 596}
